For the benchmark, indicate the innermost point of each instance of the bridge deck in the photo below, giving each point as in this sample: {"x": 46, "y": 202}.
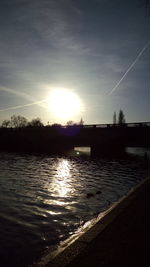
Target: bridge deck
{"x": 108, "y": 125}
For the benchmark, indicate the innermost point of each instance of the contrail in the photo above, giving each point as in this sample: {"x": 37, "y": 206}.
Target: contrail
{"x": 23, "y": 95}
{"x": 15, "y": 92}
{"x": 130, "y": 67}
{"x": 26, "y": 105}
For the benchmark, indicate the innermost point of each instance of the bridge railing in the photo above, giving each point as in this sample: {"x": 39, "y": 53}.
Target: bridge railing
{"x": 110, "y": 125}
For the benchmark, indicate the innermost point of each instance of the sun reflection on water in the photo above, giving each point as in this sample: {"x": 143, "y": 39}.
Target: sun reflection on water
{"x": 62, "y": 178}
{"x": 63, "y": 170}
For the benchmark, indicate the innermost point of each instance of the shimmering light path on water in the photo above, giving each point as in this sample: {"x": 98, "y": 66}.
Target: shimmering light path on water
{"x": 43, "y": 200}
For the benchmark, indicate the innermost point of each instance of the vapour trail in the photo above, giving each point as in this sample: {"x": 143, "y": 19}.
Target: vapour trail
{"x": 15, "y": 92}
{"x": 130, "y": 67}
{"x": 23, "y": 95}
{"x": 26, "y": 105}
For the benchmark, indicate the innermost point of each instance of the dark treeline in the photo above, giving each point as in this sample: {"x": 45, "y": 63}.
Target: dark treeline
{"x": 20, "y": 135}
{"x": 18, "y": 121}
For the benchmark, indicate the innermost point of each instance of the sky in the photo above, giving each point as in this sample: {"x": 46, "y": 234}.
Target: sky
{"x": 96, "y": 49}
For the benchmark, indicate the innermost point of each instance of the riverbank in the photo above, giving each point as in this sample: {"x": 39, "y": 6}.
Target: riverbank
{"x": 121, "y": 238}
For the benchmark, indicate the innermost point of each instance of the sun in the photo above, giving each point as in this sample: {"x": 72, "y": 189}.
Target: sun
{"x": 63, "y": 103}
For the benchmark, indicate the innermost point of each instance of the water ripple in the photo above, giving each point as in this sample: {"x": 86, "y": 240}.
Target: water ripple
{"x": 44, "y": 200}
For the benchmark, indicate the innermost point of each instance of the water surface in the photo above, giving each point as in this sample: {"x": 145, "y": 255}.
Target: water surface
{"x": 44, "y": 200}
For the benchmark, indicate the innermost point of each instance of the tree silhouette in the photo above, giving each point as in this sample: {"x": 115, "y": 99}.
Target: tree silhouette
{"x": 6, "y": 124}
{"x": 56, "y": 125}
{"x": 121, "y": 117}
{"x": 70, "y": 123}
{"x": 18, "y": 121}
{"x": 35, "y": 123}
{"x": 114, "y": 118}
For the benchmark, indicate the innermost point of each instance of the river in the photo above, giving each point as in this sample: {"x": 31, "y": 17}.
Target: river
{"x": 44, "y": 199}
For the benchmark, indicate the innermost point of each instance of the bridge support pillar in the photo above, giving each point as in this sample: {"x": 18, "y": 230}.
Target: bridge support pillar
{"x": 107, "y": 150}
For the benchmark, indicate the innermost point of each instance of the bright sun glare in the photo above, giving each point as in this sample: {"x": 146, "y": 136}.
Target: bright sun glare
{"x": 63, "y": 103}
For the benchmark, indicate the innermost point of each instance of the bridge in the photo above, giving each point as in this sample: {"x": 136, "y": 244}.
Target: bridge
{"x": 110, "y": 138}
{"x": 104, "y": 139}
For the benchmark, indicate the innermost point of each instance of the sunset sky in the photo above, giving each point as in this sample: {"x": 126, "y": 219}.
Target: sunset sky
{"x": 96, "y": 50}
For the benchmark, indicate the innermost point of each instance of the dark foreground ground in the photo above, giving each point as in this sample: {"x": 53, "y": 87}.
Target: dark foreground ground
{"x": 124, "y": 242}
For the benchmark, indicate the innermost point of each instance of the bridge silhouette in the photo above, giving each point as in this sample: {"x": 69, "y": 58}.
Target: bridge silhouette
{"x": 103, "y": 139}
